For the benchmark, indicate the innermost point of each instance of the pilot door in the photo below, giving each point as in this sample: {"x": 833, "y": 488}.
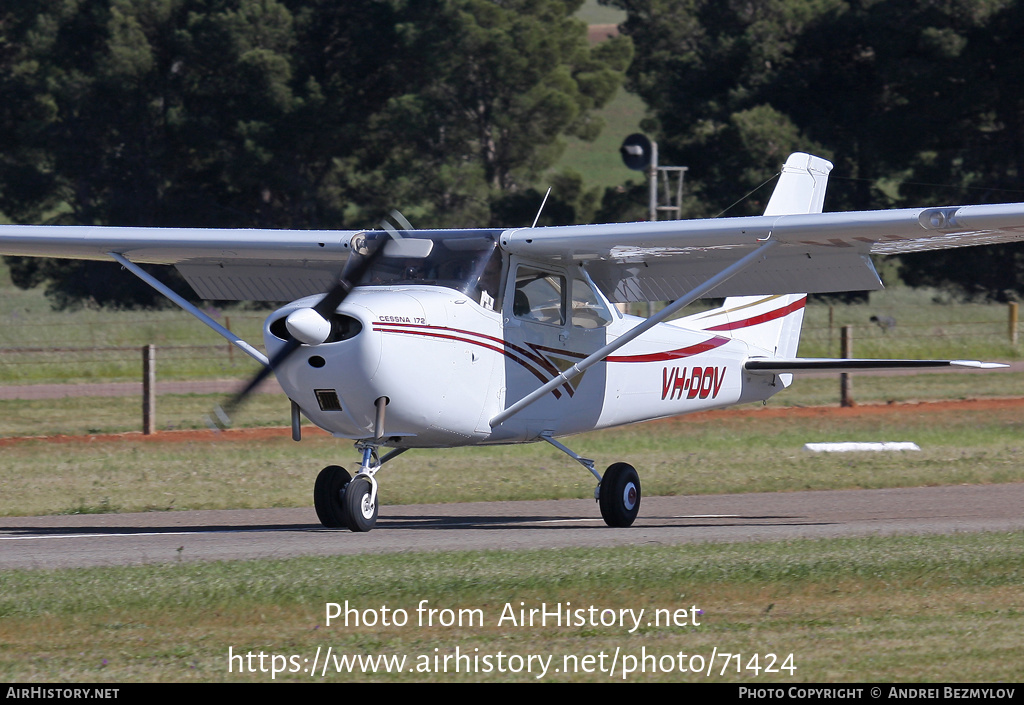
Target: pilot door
{"x": 553, "y": 319}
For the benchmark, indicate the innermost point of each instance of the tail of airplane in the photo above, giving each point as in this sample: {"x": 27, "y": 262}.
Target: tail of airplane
{"x": 801, "y": 187}
{"x": 772, "y": 323}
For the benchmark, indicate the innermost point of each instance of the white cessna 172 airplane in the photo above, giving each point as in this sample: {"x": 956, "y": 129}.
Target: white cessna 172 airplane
{"x": 462, "y": 337}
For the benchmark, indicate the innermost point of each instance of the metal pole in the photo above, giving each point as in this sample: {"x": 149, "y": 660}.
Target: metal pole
{"x": 148, "y": 390}
{"x": 652, "y": 178}
{"x": 1013, "y": 323}
{"x": 652, "y": 205}
{"x": 845, "y": 382}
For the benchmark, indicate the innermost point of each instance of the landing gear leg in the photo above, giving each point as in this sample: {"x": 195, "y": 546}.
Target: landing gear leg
{"x": 361, "y": 495}
{"x": 617, "y": 492}
{"x": 349, "y": 501}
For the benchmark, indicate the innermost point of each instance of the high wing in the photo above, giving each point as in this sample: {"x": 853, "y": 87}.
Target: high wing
{"x": 815, "y": 252}
{"x": 647, "y": 261}
{"x": 219, "y": 264}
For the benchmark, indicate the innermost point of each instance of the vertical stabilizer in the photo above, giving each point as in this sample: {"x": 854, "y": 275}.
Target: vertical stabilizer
{"x": 801, "y": 187}
{"x": 772, "y": 324}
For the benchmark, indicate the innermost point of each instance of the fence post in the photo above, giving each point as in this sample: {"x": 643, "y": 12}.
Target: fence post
{"x": 831, "y": 325}
{"x": 845, "y": 382}
{"x": 1013, "y": 323}
{"x": 148, "y": 390}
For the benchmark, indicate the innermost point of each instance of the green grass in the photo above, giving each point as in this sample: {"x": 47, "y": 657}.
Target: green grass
{"x": 593, "y": 13}
{"x": 599, "y": 162}
{"x": 92, "y": 415}
{"x": 701, "y": 455}
{"x": 928, "y": 325}
{"x": 885, "y": 609}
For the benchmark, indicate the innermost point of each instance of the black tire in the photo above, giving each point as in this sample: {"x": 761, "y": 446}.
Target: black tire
{"x": 620, "y": 495}
{"x": 329, "y": 494}
{"x": 359, "y": 515}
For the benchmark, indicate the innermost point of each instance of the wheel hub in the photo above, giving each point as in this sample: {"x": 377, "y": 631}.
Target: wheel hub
{"x": 629, "y": 496}
{"x": 367, "y": 506}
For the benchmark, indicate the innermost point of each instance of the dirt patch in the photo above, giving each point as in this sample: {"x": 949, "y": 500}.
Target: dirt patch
{"x": 246, "y": 435}
{"x": 599, "y": 32}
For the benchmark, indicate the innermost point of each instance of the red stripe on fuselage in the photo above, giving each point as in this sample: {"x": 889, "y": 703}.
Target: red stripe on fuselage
{"x": 517, "y": 354}
{"x": 513, "y": 352}
{"x": 763, "y": 318}
{"x": 689, "y": 351}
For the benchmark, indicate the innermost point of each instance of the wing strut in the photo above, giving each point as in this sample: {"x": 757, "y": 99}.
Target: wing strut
{"x": 170, "y": 294}
{"x": 691, "y": 296}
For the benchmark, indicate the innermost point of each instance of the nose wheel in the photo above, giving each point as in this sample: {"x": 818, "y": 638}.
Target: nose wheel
{"x": 345, "y": 501}
{"x": 360, "y": 504}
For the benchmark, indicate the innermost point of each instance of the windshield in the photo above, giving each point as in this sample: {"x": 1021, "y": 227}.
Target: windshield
{"x": 467, "y": 261}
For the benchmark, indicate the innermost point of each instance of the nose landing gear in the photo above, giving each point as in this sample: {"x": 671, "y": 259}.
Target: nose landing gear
{"x": 345, "y": 501}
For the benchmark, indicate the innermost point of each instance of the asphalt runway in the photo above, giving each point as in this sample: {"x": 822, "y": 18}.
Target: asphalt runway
{"x": 125, "y": 539}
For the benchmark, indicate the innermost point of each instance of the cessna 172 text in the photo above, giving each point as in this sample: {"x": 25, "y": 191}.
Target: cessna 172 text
{"x": 435, "y": 339}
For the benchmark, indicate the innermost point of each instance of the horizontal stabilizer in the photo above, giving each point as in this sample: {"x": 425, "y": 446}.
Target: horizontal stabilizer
{"x": 797, "y": 365}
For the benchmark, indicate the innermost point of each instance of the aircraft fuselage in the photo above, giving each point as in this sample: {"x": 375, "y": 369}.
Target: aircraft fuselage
{"x": 446, "y": 365}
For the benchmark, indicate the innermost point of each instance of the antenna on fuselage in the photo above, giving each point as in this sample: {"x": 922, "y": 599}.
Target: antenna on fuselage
{"x": 541, "y": 209}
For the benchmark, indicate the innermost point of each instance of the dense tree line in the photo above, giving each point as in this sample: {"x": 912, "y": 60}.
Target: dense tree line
{"x": 313, "y": 113}
{"x": 289, "y": 113}
{"x": 917, "y": 102}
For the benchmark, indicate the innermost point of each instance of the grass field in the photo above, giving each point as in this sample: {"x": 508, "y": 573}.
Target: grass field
{"x": 944, "y": 609}
{"x": 706, "y": 454}
{"x": 884, "y": 609}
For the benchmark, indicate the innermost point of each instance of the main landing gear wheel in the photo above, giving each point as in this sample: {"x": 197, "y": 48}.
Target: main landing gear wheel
{"x": 620, "y": 495}
{"x": 360, "y": 513}
{"x": 329, "y": 495}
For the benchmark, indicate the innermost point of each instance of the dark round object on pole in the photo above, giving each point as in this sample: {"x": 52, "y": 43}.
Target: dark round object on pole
{"x": 636, "y": 152}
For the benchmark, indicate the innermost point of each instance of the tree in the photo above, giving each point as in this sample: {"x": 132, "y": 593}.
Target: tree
{"x": 703, "y": 67}
{"x": 897, "y": 93}
{"x": 976, "y": 149}
{"x": 286, "y": 113}
{"x": 512, "y": 79}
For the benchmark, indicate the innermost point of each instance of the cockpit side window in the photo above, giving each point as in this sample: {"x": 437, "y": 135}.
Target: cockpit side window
{"x": 588, "y": 311}
{"x": 539, "y": 296}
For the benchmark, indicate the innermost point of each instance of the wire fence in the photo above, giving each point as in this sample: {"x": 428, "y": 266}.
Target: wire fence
{"x": 85, "y": 374}
{"x": 915, "y": 331}
{"x": 113, "y": 365}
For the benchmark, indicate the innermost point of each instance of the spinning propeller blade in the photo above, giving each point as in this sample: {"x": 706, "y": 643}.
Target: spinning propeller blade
{"x": 221, "y": 417}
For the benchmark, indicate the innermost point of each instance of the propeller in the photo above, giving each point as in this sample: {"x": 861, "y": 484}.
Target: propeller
{"x": 310, "y": 325}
